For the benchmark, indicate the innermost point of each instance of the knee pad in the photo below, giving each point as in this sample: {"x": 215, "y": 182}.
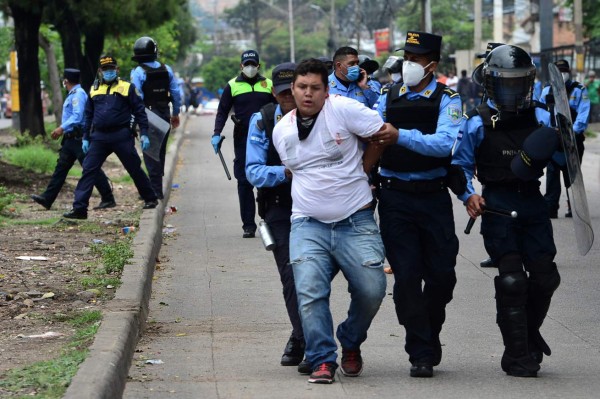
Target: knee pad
{"x": 544, "y": 284}
{"x": 511, "y": 289}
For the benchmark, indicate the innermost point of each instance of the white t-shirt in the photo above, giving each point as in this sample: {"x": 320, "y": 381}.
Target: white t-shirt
{"x": 328, "y": 181}
{"x": 452, "y": 83}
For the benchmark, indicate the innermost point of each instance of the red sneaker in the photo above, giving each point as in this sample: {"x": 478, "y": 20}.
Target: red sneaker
{"x": 352, "y": 363}
{"x": 323, "y": 374}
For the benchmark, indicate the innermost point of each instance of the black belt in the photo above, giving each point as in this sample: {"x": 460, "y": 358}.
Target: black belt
{"x": 515, "y": 186}
{"x": 111, "y": 129}
{"x": 413, "y": 186}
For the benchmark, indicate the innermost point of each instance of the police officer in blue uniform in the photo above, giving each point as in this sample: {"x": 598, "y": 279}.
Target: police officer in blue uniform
{"x": 107, "y": 129}
{"x": 158, "y": 87}
{"x": 246, "y": 94}
{"x": 265, "y": 171}
{"x": 349, "y": 80}
{"x": 70, "y": 130}
{"x": 579, "y": 104}
{"x": 523, "y": 249}
{"x": 415, "y": 208}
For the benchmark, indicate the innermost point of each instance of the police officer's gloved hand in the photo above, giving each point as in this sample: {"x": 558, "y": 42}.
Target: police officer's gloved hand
{"x": 85, "y": 146}
{"x": 215, "y": 141}
{"x": 145, "y": 142}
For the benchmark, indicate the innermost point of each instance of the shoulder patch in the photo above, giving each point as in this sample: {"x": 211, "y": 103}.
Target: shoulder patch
{"x": 454, "y": 113}
{"x": 75, "y": 102}
{"x": 450, "y": 92}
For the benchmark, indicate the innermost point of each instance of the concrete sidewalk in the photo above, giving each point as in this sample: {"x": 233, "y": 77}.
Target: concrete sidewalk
{"x": 218, "y": 324}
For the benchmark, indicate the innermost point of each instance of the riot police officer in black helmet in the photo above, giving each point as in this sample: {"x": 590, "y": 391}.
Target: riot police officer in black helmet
{"x": 492, "y": 140}
{"x": 158, "y": 87}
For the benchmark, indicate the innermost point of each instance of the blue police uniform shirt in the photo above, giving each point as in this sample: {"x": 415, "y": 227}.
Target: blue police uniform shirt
{"x": 580, "y": 102}
{"x": 470, "y": 136}
{"x": 258, "y": 173}
{"x": 138, "y": 77}
{"x": 74, "y": 109}
{"x": 367, "y": 96}
{"x": 439, "y": 144}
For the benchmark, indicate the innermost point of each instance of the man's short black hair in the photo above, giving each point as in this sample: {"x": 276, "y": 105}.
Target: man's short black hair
{"x": 342, "y": 52}
{"x": 312, "y": 65}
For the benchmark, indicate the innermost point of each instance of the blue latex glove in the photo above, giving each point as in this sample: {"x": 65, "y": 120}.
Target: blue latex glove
{"x": 85, "y": 146}
{"x": 216, "y": 142}
{"x": 145, "y": 142}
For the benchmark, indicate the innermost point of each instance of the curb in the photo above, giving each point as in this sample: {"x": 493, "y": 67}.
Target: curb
{"x": 104, "y": 372}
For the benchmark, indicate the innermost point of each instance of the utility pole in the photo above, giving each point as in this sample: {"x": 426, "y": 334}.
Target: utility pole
{"x": 578, "y": 37}
{"x": 291, "y": 25}
{"x": 477, "y": 26}
{"x": 426, "y": 21}
{"x": 499, "y": 21}
{"x": 546, "y": 38}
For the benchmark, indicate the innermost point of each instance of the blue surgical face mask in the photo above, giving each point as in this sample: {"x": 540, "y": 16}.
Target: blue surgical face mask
{"x": 353, "y": 72}
{"x": 109, "y": 75}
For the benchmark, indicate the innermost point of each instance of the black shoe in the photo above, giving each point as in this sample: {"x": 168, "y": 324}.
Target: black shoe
{"x": 248, "y": 233}
{"x": 524, "y": 366}
{"x": 304, "y": 367}
{"x": 293, "y": 352}
{"x": 421, "y": 369}
{"x": 150, "y": 204}
{"x": 41, "y": 200}
{"x": 487, "y": 263}
{"x": 76, "y": 214}
{"x": 106, "y": 204}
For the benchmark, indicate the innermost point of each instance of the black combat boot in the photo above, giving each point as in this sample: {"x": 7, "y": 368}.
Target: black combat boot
{"x": 516, "y": 361}
{"x": 541, "y": 289}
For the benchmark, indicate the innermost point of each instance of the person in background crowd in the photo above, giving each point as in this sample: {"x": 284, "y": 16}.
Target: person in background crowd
{"x": 246, "y": 94}
{"x": 579, "y": 105}
{"x": 108, "y": 129}
{"x": 71, "y": 131}
{"x": 349, "y": 80}
{"x": 158, "y": 87}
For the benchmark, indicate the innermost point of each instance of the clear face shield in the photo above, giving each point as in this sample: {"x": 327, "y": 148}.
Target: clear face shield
{"x": 509, "y": 91}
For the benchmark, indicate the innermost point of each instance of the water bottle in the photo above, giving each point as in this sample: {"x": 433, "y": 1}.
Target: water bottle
{"x": 265, "y": 234}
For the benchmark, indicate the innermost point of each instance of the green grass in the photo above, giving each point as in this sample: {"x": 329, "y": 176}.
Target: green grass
{"x": 6, "y": 198}
{"x": 99, "y": 282}
{"x": 34, "y": 157}
{"x": 114, "y": 256}
{"x": 49, "y": 379}
{"x": 7, "y": 221}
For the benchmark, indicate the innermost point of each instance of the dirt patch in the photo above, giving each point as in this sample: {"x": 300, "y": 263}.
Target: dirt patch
{"x": 36, "y": 296}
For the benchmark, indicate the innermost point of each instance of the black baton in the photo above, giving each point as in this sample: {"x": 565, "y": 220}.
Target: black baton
{"x": 222, "y": 159}
{"x": 501, "y": 212}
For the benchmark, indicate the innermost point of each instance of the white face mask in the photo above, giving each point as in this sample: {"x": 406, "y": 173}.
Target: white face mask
{"x": 396, "y": 76}
{"x": 413, "y": 73}
{"x": 565, "y": 76}
{"x": 250, "y": 71}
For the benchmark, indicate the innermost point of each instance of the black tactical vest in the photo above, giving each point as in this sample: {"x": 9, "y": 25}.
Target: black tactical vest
{"x": 421, "y": 114}
{"x": 156, "y": 89}
{"x": 501, "y": 142}
{"x": 282, "y": 193}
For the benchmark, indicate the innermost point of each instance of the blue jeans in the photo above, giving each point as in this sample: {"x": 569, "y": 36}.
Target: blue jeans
{"x": 317, "y": 252}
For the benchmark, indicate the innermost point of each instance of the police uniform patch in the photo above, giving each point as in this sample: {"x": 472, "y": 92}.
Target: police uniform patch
{"x": 75, "y": 102}
{"x": 427, "y": 93}
{"x": 455, "y": 114}
{"x": 263, "y": 83}
{"x": 332, "y": 83}
{"x": 403, "y": 90}
{"x": 279, "y": 117}
{"x": 120, "y": 89}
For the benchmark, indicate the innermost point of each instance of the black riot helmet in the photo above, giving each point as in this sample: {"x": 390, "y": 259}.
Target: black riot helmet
{"x": 507, "y": 75}
{"x": 145, "y": 49}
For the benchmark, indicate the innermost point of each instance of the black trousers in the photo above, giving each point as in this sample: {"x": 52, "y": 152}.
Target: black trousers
{"x": 71, "y": 151}
{"x": 245, "y": 189}
{"x": 278, "y": 219}
{"x": 156, "y": 169}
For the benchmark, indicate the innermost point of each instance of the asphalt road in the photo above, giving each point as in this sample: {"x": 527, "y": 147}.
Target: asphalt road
{"x": 217, "y": 319}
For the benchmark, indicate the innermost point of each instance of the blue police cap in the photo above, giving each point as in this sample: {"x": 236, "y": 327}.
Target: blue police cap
{"x": 537, "y": 150}
{"x": 563, "y": 65}
{"x": 282, "y": 76}
{"x": 422, "y": 43}
{"x": 71, "y": 74}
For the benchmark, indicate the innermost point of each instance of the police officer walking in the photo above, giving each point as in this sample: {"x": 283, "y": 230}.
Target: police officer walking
{"x": 349, "y": 80}
{"x": 158, "y": 87}
{"x": 70, "y": 130}
{"x": 579, "y": 104}
{"x": 246, "y": 94}
{"x": 415, "y": 208}
{"x": 522, "y": 248}
{"x": 265, "y": 171}
{"x": 107, "y": 129}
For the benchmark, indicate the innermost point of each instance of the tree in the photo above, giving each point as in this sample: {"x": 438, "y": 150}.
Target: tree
{"x": 27, "y": 15}
{"x": 218, "y": 71}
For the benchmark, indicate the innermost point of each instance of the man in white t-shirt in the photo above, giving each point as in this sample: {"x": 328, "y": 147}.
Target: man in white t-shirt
{"x": 333, "y": 227}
